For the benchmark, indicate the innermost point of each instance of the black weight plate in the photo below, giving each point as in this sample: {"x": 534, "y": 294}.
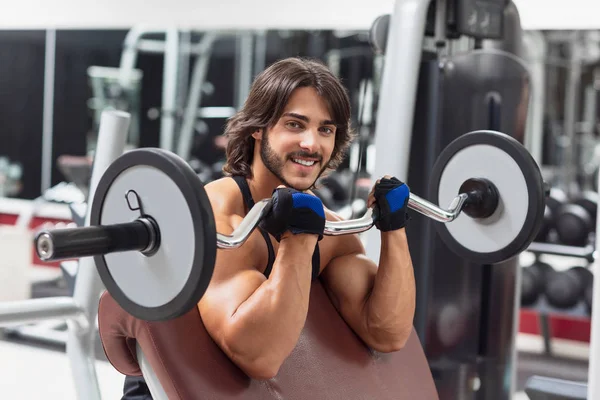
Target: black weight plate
{"x": 573, "y": 225}
{"x": 589, "y": 201}
{"x": 170, "y": 282}
{"x": 502, "y": 160}
{"x": 563, "y": 289}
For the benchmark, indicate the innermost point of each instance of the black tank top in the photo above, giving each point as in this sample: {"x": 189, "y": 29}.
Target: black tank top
{"x": 249, "y": 201}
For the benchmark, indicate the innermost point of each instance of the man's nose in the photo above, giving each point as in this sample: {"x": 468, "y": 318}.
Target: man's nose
{"x": 309, "y": 140}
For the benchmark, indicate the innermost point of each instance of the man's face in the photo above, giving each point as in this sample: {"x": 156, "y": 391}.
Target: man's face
{"x": 298, "y": 148}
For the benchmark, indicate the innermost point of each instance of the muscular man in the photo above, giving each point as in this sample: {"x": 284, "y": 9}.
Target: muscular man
{"x": 294, "y": 127}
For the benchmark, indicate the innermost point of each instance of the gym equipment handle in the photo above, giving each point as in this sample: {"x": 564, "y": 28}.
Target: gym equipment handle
{"x": 57, "y": 244}
{"x": 334, "y": 228}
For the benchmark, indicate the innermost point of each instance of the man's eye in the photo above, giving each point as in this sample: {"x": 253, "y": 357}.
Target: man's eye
{"x": 293, "y": 124}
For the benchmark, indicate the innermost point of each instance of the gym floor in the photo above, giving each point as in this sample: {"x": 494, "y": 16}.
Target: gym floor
{"x": 36, "y": 370}
{"x": 31, "y": 371}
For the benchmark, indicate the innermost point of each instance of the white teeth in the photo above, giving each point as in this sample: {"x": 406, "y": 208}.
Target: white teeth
{"x": 303, "y": 162}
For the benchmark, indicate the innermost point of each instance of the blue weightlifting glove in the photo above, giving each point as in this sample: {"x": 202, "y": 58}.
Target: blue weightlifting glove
{"x": 294, "y": 211}
{"x": 391, "y": 202}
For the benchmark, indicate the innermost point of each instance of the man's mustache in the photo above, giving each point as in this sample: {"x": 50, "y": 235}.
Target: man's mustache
{"x": 307, "y": 155}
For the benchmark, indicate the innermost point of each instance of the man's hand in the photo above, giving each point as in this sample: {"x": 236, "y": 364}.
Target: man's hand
{"x": 294, "y": 212}
{"x": 389, "y": 197}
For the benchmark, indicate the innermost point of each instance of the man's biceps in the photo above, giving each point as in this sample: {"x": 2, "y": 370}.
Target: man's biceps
{"x": 230, "y": 263}
{"x": 350, "y": 274}
{"x": 352, "y": 263}
{"x": 226, "y": 296}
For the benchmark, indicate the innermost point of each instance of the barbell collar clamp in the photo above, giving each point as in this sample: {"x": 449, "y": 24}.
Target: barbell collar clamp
{"x": 154, "y": 235}
{"x": 483, "y": 197}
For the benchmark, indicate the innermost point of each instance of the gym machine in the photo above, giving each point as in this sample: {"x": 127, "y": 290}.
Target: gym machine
{"x": 187, "y": 57}
{"x": 112, "y": 89}
{"x": 449, "y": 68}
{"x": 52, "y": 331}
{"x": 73, "y": 193}
{"x": 466, "y": 313}
{"x": 80, "y": 310}
{"x": 109, "y": 85}
{"x": 183, "y": 87}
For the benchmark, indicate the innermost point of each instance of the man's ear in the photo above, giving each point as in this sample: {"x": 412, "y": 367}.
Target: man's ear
{"x": 257, "y": 134}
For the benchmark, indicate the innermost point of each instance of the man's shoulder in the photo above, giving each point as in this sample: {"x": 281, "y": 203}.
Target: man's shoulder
{"x": 229, "y": 210}
{"x": 225, "y": 198}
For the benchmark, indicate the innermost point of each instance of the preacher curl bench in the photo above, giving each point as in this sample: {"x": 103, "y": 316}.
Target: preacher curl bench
{"x": 180, "y": 360}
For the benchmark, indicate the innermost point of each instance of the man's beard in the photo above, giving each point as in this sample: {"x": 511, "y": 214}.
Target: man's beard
{"x": 275, "y": 165}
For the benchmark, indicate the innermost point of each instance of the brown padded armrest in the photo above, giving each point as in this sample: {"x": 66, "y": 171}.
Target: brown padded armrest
{"x": 329, "y": 361}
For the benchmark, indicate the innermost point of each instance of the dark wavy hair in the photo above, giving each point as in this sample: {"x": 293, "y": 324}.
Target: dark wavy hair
{"x": 266, "y": 101}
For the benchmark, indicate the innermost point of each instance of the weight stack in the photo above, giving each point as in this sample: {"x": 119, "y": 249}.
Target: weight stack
{"x": 465, "y": 312}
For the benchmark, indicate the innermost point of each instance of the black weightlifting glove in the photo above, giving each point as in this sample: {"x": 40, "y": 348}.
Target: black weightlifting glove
{"x": 391, "y": 200}
{"x": 294, "y": 211}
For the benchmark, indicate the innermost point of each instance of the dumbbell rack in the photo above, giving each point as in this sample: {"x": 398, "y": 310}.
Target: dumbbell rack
{"x": 541, "y": 306}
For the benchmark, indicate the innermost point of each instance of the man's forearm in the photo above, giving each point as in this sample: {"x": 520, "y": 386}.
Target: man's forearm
{"x": 265, "y": 328}
{"x": 390, "y": 306}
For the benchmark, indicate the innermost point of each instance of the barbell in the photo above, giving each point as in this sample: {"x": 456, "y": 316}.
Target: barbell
{"x": 153, "y": 237}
